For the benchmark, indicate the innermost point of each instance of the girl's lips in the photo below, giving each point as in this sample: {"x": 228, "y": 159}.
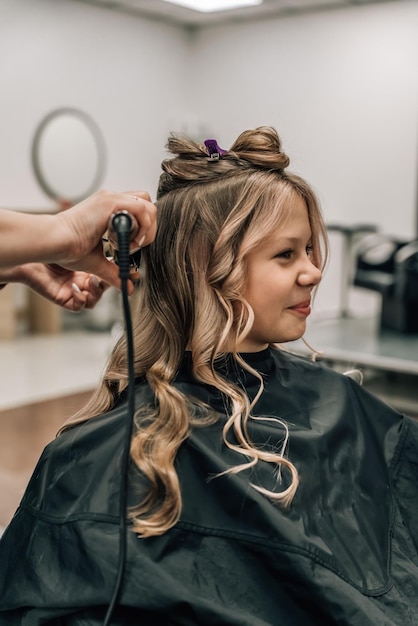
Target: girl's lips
{"x": 304, "y": 308}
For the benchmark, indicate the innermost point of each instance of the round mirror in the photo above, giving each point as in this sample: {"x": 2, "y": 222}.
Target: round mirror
{"x": 68, "y": 155}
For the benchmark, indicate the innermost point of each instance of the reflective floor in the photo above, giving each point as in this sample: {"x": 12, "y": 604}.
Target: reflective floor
{"x": 40, "y": 367}
{"x": 44, "y": 380}
{"x": 24, "y": 432}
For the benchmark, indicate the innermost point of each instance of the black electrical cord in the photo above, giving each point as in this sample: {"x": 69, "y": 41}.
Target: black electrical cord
{"x": 122, "y": 224}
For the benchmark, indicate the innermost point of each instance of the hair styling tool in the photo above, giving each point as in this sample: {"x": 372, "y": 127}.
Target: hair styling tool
{"x": 122, "y": 230}
{"x": 124, "y": 221}
{"x": 214, "y": 151}
{"x": 121, "y": 222}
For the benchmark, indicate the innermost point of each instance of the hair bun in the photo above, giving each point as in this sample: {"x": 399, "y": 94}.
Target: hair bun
{"x": 258, "y": 148}
{"x": 261, "y": 147}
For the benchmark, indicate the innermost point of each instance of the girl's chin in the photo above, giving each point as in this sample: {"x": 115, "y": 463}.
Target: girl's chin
{"x": 293, "y": 336}
{"x": 256, "y": 344}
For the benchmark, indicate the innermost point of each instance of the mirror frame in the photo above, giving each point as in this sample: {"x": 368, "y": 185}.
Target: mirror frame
{"x": 100, "y": 147}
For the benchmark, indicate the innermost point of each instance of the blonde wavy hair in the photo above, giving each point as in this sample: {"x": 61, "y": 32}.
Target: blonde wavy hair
{"x": 211, "y": 215}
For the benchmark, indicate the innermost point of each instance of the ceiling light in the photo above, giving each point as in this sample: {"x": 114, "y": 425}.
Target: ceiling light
{"x": 209, "y": 6}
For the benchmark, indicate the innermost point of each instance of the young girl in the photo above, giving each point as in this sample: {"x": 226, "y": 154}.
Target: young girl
{"x": 264, "y": 489}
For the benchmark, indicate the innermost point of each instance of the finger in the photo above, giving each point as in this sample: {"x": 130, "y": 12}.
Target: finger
{"x": 145, "y": 213}
{"x": 92, "y": 300}
{"x": 147, "y": 227}
{"x": 107, "y": 272}
{"x": 140, "y": 194}
{"x": 79, "y": 299}
{"x": 136, "y": 244}
{"x": 87, "y": 292}
{"x": 96, "y": 286}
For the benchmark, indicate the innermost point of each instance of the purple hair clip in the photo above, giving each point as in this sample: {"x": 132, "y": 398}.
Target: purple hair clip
{"x": 213, "y": 149}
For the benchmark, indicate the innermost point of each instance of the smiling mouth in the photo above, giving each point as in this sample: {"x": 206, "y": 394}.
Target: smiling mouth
{"x": 303, "y": 308}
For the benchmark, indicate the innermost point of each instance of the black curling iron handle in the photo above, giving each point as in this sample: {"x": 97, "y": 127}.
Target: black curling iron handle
{"x": 122, "y": 223}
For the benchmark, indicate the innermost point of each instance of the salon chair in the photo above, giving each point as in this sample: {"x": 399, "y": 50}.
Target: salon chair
{"x": 351, "y": 234}
{"x": 390, "y": 267}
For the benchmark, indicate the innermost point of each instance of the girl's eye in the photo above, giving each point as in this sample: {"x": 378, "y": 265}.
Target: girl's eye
{"x": 286, "y": 254}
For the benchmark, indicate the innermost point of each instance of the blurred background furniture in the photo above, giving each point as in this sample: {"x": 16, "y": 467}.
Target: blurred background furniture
{"x": 390, "y": 267}
{"x": 387, "y": 359}
{"x": 351, "y": 234}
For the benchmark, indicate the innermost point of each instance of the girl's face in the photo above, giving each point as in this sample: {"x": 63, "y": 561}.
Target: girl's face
{"x": 281, "y": 277}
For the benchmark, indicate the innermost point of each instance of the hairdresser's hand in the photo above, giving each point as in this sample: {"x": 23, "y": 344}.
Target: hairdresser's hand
{"x": 74, "y": 291}
{"x": 85, "y": 224}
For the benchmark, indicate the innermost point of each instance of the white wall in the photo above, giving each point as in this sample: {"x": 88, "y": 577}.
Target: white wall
{"x": 129, "y": 74}
{"x": 341, "y": 87}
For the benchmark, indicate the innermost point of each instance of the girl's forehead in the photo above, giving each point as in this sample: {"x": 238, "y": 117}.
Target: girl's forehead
{"x": 293, "y": 214}
{"x": 294, "y": 225}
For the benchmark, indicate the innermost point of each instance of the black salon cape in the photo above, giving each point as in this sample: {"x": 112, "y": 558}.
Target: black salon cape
{"x": 344, "y": 553}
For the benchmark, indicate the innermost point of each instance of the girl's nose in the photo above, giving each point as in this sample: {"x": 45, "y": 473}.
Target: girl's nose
{"x": 310, "y": 274}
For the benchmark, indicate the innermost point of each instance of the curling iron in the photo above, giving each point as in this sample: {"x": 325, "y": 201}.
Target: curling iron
{"x": 122, "y": 230}
{"x": 122, "y": 222}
